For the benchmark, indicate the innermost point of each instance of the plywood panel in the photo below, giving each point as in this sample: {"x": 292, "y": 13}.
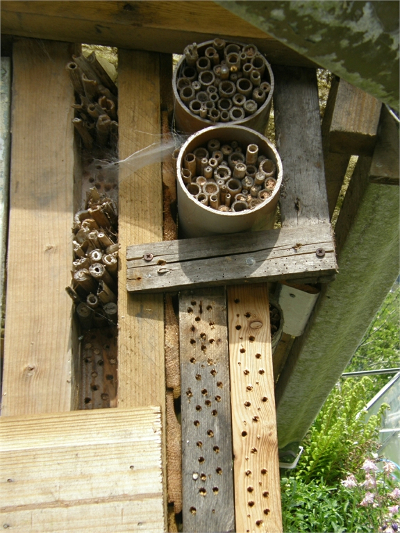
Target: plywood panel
{"x": 82, "y": 471}
{"x": 37, "y": 365}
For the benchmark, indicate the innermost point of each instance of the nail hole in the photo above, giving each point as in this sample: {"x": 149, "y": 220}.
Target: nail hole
{"x": 246, "y": 372}
{"x": 201, "y": 460}
{"x": 213, "y": 372}
{"x": 202, "y": 491}
{"x": 216, "y": 449}
{"x": 218, "y": 398}
{"x": 198, "y": 407}
{"x": 252, "y": 338}
{"x": 214, "y": 412}
{"x": 211, "y": 341}
{"x": 210, "y": 433}
{"x": 203, "y": 477}
{"x": 203, "y": 336}
{"x": 198, "y": 377}
{"x": 196, "y": 423}
{"x": 192, "y": 359}
{"x": 215, "y": 490}
{"x": 249, "y": 387}
{"x": 219, "y": 384}
{"x": 247, "y": 404}
{"x": 189, "y": 393}
{"x": 132, "y": 467}
{"x": 244, "y": 433}
{"x": 199, "y": 444}
{"x": 264, "y": 399}
{"x": 248, "y": 472}
{"x": 208, "y": 403}
{"x": 193, "y": 510}
{"x": 203, "y": 391}
{"x": 219, "y": 471}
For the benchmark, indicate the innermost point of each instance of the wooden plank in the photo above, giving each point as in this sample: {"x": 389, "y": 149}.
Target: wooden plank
{"x": 298, "y": 139}
{"x": 255, "y": 444}
{"x": 266, "y": 255}
{"x": 208, "y": 502}
{"x": 37, "y": 361}
{"x": 162, "y": 27}
{"x": 5, "y": 138}
{"x": 141, "y": 368}
{"x": 82, "y": 471}
{"x": 355, "y": 121}
{"x": 385, "y": 161}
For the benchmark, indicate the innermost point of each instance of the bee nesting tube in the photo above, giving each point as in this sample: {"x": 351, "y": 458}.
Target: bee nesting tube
{"x": 197, "y": 219}
{"x": 236, "y": 85}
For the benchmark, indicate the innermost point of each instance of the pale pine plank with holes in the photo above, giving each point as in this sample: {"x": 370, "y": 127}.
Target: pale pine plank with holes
{"x": 82, "y": 471}
{"x": 255, "y": 443}
{"x": 37, "y": 360}
{"x": 207, "y": 478}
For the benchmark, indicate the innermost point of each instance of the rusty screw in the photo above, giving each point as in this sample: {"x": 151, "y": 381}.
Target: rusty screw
{"x": 320, "y": 252}
{"x": 148, "y": 257}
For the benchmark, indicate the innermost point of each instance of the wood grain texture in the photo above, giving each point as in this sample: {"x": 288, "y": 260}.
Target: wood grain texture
{"x": 255, "y": 444}
{"x": 385, "y": 159}
{"x": 174, "y": 455}
{"x": 37, "y": 361}
{"x": 281, "y": 354}
{"x": 215, "y": 260}
{"x": 355, "y": 121}
{"x": 82, "y": 471}
{"x": 207, "y": 478}
{"x": 162, "y": 27}
{"x": 298, "y": 139}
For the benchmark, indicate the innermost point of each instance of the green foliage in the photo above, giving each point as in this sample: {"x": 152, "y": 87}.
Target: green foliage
{"x": 340, "y": 438}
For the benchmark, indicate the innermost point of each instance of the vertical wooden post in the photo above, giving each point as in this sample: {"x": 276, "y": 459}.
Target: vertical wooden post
{"x": 141, "y": 380}
{"x": 255, "y": 443}
{"x": 38, "y": 354}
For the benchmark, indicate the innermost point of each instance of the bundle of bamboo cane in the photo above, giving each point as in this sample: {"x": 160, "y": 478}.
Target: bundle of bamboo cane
{"x": 96, "y": 118}
{"x": 95, "y": 265}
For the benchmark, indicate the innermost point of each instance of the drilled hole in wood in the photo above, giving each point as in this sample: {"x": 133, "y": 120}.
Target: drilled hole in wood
{"x": 256, "y": 418}
{"x": 249, "y": 387}
{"x": 88, "y": 360}
{"x": 250, "y": 489}
{"x": 258, "y": 356}
{"x": 216, "y": 449}
{"x": 189, "y": 393}
{"x": 214, "y": 412}
{"x": 252, "y": 338}
{"x": 254, "y": 450}
{"x": 201, "y": 460}
{"x": 248, "y": 472}
{"x": 189, "y": 310}
{"x": 238, "y": 327}
{"x": 203, "y": 336}
{"x": 247, "y": 315}
{"x": 196, "y": 423}
{"x": 220, "y": 384}
{"x": 242, "y": 350}
{"x": 246, "y": 371}
{"x": 202, "y": 491}
{"x": 100, "y": 362}
{"x": 209, "y": 307}
{"x": 104, "y": 396}
{"x": 219, "y": 471}
{"x": 106, "y": 346}
{"x": 250, "y": 503}
{"x": 203, "y": 477}
{"x": 259, "y": 523}
{"x": 264, "y": 471}
{"x": 197, "y": 319}
{"x": 261, "y": 371}
{"x": 218, "y": 398}
{"x": 215, "y": 490}
{"x": 193, "y": 302}
{"x": 266, "y": 511}
{"x": 264, "y": 399}
{"x": 91, "y": 179}
{"x": 199, "y": 444}
{"x": 213, "y": 372}
{"x": 192, "y": 360}
{"x": 236, "y": 300}
{"x": 87, "y": 400}
{"x": 244, "y": 433}
{"x": 211, "y": 341}
{"x": 193, "y": 510}
{"x": 210, "y": 433}
{"x": 198, "y": 407}
{"x": 192, "y": 328}
{"x": 211, "y": 323}
{"x": 203, "y": 348}
{"x": 192, "y": 341}
{"x": 204, "y": 391}
{"x": 265, "y": 494}
{"x": 198, "y": 377}
{"x": 208, "y": 403}
{"x": 247, "y": 404}
{"x": 109, "y": 377}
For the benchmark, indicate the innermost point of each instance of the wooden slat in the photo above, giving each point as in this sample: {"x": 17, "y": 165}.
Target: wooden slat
{"x": 141, "y": 374}
{"x": 298, "y": 139}
{"x": 255, "y": 444}
{"x": 354, "y": 122}
{"x": 215, "y": 260}
{"x": 37, "y": 365}
{"x": 163, "y": 26}
{"x": 207, "y": 478}
{"x": 385, "y": 161}
{"x": 82, "y": 471}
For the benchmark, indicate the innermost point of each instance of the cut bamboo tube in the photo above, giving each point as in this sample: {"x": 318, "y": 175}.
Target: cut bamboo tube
{"x": 87, "y": 139}
{"x": 105, "y": 294}
{"x": 75, "y": 75}
{"x": 101, "y": 74}
{"x": 90, "y": 87}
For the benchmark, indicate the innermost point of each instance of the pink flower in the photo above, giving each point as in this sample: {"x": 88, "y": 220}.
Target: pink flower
{"x": 368, "y": 498}
{"x": 395, "y": 494}
{"x": 389, "y": 468}
{"x": 369, "y": 466}
{"x": 350, "y": 482}
{"x": 370, "y": 482}
{"x": 393, "y": 509}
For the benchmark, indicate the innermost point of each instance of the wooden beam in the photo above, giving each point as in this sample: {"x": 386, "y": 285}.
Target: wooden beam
{"x": 37, "y": 360}
{"x": 260, "y": 256}
{"x": 298, "y": 139}
{"x": 255, "y": 444}
{"x": 354, "y": 124}
{"x": 141, "y": 366}
{"x": 385, "y": 161}
{"x": 367, "y": 236}
{"x": 207, "y": 476}
{"x": 161, "y": 27}
{"x": 82, "y": 471}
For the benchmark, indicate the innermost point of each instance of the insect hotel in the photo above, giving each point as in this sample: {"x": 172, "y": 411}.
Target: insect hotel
{"x": 177, "y": 303}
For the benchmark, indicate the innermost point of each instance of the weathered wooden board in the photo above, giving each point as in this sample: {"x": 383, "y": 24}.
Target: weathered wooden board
{"x": 355, "y": 121}
{"x": 82, "y": 471}
{"x": 156, "y": 26}
{"x": 38, "y": 354}
{"x": 224, "y": 259}
{"x": 207, "y": 478}
{"x": 255, "y": 443}
{"x": 385, "y": 161}
{"x": 298, "y": 139}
